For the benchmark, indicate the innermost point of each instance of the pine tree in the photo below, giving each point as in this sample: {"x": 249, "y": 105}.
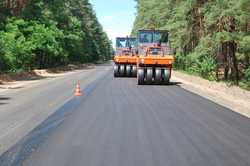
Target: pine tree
{"x": 208, "y": 35}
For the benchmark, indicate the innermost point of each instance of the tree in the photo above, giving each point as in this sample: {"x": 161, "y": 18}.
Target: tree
{"x": 42, "y": 33}
{"x": 210, "y": 35}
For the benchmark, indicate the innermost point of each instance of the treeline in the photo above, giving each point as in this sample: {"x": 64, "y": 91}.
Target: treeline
{"x": 212, "y": 38}
{"x": 49, "y": 33}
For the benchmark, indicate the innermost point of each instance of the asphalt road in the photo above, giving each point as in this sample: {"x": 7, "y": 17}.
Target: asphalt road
{"x": 117, "y": 123}
{"x": 25, "y": 107}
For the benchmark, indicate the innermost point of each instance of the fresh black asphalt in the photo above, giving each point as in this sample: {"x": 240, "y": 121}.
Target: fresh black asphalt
{"x": 118, "y": 123}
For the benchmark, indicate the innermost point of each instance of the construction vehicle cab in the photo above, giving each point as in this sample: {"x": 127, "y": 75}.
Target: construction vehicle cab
{"x": 156, "y": 50}
{"x": 125, "y": 59}
{"x": 155, "y": 58}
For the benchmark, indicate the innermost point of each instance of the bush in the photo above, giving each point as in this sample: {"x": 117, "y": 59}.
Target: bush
{"x": 180, "y": 61}
{"x": 207, "y": 68}
{"x": 30, "y": 44}
{"x": 201, "y": 61}
{"x": 246, "y": 79}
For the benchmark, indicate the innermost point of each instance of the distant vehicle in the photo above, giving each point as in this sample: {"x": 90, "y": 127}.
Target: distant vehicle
{"x": 155, "y": 58}
{"x": 125, "y": 57}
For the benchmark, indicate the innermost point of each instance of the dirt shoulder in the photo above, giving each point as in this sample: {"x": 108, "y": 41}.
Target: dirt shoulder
{"x": 231, "y": 97}
{"x": 19, "y": 80}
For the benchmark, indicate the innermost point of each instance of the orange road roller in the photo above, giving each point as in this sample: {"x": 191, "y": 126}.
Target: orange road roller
{"x": 125, "y": 60}
{"x": 155, "y": 60}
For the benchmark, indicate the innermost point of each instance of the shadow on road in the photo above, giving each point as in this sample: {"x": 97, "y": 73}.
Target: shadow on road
{"x": 170, "y": 84}
{"x": 4, "y": 99}
{"x": 175, "y": 83}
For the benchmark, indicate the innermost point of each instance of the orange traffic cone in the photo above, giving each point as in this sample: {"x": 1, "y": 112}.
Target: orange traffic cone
{"x": 78, "y": 90}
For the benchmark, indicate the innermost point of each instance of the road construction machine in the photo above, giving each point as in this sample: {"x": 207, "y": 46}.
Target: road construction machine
{"x": 155, "y": 57}
{"x": 125, "y": 60}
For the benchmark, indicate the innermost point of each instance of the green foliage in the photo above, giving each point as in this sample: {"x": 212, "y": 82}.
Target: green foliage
{"x": 245, "y": 44}
{"x": 25, "y": 41}
{"x": 246, "y": 79}
{"x": 206, "y": 34}
{"x": 51, "y": 33}
{"x": 245, "y": 83}
{"x": 195, "y": 64}
{"x": 201, "y": 61}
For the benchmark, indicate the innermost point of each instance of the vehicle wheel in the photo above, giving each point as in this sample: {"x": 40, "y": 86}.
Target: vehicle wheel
{"x": 140, "y": 76}
{"x": 122, "y": 70}
{"x": 116, "y": 71}
{"x": 158, "y": 76}
{"x": 149, "y": 75}
{"x": 128, "y": 70}
{"x": 166, "y": 76}
{"x": 134, "y": 71}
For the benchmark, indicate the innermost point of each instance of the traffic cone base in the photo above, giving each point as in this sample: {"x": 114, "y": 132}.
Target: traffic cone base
{"x": 78, "y": 90}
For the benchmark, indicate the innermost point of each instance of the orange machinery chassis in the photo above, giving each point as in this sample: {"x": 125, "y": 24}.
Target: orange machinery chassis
{"x": 154, "y": 69}
{"x": 125, "y": 66}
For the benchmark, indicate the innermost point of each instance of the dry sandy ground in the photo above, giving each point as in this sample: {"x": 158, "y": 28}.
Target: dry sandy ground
{"x": 37, "y": 75}
{"x": 16, "y": 81}
{"x": 231, "y": 97}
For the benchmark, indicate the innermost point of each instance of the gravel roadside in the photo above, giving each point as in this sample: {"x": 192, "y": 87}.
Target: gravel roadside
{"x": 232, "y": 97}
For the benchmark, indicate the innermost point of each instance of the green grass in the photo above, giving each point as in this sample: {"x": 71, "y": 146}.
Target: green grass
{"x": 244, "y": 85}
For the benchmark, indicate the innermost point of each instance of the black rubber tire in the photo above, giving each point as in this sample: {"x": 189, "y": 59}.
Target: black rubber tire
{"x": 134, "y": 71}
{"x": 122, "y": 71}
{"x": 149, "y": 75}
{"x": 158, "y": 76}
{"x": 116, "y": 71}
{"x": 128, "y": 71}
{"x": 140, "y": 76}
{"x": 166, "y": 76}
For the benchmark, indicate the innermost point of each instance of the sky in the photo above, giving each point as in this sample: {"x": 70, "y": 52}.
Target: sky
{"x": 116, "y": 16}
